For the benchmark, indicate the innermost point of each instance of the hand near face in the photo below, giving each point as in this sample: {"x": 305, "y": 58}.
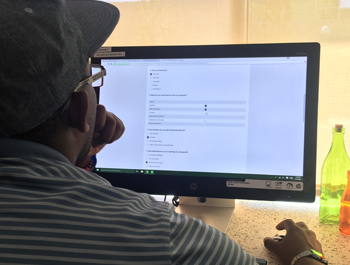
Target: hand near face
{"x": 108, "y": 128}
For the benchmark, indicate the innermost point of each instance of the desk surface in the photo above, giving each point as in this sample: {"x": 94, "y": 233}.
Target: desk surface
{"x": 253, "y": 220}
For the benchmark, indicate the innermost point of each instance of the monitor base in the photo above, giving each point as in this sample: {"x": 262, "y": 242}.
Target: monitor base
{"x": 214, "y": 212}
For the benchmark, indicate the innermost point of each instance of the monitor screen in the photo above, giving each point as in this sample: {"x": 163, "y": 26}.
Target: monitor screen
{"x": 217, "y": 121}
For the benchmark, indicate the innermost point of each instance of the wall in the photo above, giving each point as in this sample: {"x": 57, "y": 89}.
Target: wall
{"x": 323, "y": 21}
{"x": 179, "y": 22}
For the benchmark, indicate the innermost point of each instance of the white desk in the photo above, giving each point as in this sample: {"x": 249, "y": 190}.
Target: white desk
{"x": 254, "y": 220}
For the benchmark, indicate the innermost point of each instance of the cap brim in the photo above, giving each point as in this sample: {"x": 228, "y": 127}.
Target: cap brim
{"x": 96, "y": 19}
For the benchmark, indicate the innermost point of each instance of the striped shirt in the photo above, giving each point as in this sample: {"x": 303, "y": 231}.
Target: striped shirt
{"x": 52, "y": 212}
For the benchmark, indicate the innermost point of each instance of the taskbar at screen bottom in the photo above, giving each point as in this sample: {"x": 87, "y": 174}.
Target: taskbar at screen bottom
{"x": 238, "y": 177}
{"x": 248, "y": 181}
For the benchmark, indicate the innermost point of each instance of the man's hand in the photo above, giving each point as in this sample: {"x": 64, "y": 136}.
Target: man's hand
{"x": 108, "y": 128}
{"x": 298, "y": 239}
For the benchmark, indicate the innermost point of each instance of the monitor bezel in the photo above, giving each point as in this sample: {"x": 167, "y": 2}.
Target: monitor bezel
{"x": 191, "y": 186}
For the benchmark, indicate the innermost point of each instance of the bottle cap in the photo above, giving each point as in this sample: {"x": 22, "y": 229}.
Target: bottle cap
{"x": 338, "y": 127}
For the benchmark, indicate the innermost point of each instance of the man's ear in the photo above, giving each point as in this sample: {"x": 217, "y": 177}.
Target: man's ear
{"x": 77, "y": 111}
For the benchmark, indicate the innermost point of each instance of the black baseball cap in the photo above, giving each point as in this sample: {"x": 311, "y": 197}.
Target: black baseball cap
{"x": 45, "y": 46}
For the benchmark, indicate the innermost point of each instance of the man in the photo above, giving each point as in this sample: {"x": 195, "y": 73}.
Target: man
{"x": 52, "y": 211}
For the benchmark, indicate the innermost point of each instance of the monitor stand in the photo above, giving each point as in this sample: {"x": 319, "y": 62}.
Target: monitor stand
{"x": 214, "y": 212}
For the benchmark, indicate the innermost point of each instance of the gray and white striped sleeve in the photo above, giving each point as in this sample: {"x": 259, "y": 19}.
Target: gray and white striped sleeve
{"x": 194, "y": 242}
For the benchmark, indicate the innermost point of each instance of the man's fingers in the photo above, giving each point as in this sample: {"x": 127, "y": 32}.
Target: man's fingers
{"x": 119, "y": 129}
{"x": 112, "y": 130}
{"x": 285, "y": 224}
{"x": 100, "y": 120}
{"x": 302, "y": 225}
{"x": 106, "y": 133}
{"x": 271, "y": 244}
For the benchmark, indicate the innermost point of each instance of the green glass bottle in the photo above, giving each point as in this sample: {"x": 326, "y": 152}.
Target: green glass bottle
{"x": 333, "y": 178}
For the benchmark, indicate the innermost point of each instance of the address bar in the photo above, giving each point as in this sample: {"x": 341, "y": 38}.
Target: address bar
{"x": 259, "y": 62}
{"x": 218, "y": 63}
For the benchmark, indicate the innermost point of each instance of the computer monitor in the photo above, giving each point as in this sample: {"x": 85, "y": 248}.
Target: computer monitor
{"x": 213, "y": 121}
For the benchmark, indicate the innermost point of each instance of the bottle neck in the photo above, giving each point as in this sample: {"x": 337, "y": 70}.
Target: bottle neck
{"x": 338, "y": 137}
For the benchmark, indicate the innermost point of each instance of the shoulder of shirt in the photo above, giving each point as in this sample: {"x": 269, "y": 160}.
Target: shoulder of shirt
{"x": 62, "y": 175}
